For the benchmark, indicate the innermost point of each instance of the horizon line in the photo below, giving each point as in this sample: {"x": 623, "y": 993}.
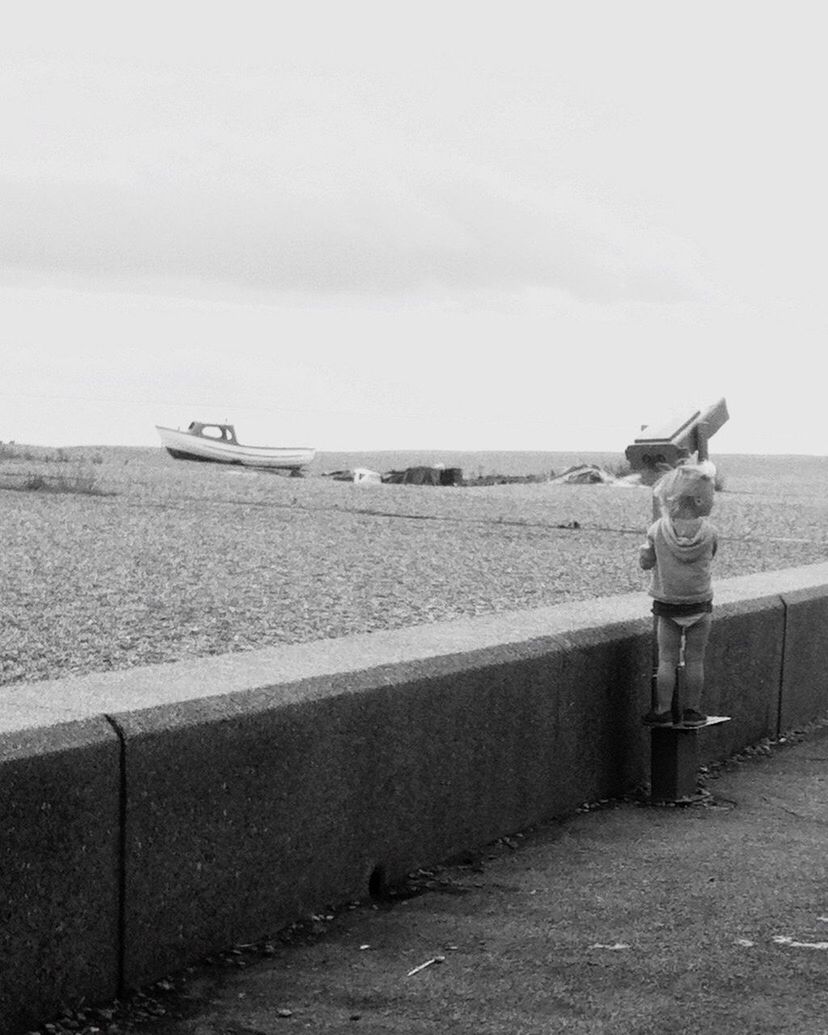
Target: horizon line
{"x": 425, "y": 449}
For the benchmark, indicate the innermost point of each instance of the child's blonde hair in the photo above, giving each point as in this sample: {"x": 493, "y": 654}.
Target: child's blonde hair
{"x": 689, "y": 486}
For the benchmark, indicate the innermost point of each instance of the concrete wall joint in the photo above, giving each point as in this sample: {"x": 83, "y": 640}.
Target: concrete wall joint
{"x": 122, "y": 837}
{"x": 781, "y": 702}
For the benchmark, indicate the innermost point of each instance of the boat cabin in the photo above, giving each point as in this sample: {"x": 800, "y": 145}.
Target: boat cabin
{"x": 219, "y": 432}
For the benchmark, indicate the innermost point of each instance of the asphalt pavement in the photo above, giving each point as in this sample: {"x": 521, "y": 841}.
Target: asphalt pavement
{"x": 625, "y": 918}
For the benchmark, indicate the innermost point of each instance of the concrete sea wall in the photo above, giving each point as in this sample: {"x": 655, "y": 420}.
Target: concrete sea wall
{"x": 153, "y": 815}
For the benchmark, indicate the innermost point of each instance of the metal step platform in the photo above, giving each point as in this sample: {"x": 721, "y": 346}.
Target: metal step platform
{"x": 674, "y": 759}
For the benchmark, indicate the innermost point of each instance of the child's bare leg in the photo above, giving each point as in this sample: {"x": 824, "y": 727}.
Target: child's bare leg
{"x": 669, "y": 643}
{"x": 695, "y": 645}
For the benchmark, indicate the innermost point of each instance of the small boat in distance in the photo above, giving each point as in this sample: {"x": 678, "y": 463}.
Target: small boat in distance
{"x": 217, "y": 443}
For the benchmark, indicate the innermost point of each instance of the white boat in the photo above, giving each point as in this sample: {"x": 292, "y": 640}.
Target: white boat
{"x": 218, "y": 444}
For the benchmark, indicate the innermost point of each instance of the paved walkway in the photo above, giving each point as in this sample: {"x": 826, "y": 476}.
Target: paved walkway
{"x": 626, "y": 918}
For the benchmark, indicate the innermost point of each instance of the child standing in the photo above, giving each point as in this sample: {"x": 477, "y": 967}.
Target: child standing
{"x": 679, "y": 550}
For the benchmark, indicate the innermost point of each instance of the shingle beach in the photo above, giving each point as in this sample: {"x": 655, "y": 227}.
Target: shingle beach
{"x": 182, "y": 560}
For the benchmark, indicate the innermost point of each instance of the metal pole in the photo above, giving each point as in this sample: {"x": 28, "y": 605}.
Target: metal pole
{"x": 654, "y": 654}
{"x": 701, "y": 441}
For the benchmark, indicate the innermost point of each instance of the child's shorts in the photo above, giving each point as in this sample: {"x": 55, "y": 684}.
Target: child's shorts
{"x": 683, "y": 615}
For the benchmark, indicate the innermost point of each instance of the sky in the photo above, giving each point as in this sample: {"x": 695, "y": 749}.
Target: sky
{"x": 447, "y": 226}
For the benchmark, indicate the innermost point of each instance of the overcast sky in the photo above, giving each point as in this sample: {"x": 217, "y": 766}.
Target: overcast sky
{"x": 376, "y": 226}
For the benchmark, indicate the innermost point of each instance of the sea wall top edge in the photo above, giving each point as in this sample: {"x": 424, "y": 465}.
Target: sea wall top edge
{"x": 101, "y": 693}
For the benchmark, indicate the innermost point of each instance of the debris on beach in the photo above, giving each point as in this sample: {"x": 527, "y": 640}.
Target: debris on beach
{"x": 591, "y": 474}
{"x": 358, "y": 475}
{"x": 437, "y": 474}
{"x": 507, "y": 479}
{"x": 440, "y": 475}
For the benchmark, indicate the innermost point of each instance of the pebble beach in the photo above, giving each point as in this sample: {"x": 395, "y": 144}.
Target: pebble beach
{"x": 157, "y": 560}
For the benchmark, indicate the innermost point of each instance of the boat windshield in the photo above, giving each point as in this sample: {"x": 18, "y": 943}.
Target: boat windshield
{"x": 219, "y": 432}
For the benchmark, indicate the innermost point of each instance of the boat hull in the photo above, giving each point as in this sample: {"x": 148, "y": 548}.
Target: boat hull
{"x": 182, "y": 445}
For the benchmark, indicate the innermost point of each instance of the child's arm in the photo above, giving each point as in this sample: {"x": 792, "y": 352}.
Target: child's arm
{"x": 647, "y": 554}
